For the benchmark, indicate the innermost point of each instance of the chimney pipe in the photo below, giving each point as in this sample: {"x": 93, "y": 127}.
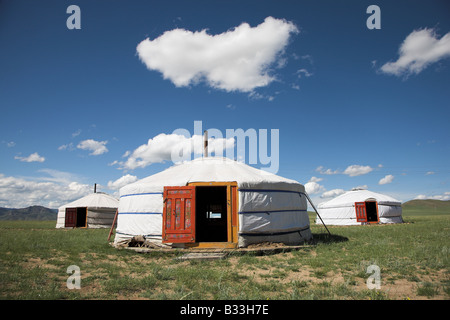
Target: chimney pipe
{"x": 95, "y": 188}
{"x": 205, "y": 148}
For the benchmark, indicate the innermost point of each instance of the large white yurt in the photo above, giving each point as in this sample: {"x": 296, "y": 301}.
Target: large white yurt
{"x": 213, "y": 202}
{"x": 96, "y": 210}
{"x": 358, "y": 207}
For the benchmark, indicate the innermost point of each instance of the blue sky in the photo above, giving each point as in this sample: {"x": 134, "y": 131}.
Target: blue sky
{"x": 353, "y": 106}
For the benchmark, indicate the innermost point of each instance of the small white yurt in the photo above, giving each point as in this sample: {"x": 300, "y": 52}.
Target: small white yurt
{"x": 213, "y": 202}
{"x": 358, "y": 207}
{"x": 96, "y": 210}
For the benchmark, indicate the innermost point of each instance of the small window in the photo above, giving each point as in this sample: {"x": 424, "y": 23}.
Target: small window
{"x": 214, "y": 215}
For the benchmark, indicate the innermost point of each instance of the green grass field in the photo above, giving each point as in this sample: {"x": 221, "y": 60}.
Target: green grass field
{"x": 413, "y": 259}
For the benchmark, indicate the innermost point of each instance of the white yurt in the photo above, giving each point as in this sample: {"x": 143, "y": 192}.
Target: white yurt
{"x": 358, "y": 207}
{"x": 213, "y": 202}
{"x": 96, "y": 210}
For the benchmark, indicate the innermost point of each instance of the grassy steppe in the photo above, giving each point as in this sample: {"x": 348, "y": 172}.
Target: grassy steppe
{"x": 413, "y": 259}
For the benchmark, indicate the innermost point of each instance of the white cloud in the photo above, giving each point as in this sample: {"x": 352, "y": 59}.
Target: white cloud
{"x": 57, "y": 176}
{"x": 304, "y": 72}
{"x": 430, "y": 173}
{"x": 257, "y": 96}
{"x": 332, "y": 193}
{"x": 122, "y": 181}
{"x": 52, "y": 192}
{"x": 10, "y": 144}
{"x": 387, "y": 179}
{"x": 68, "y": 146}
{"x": 97, "y": 147}
{"x": 172, "y": 147}
{"x": 313, "y": 187}
{"x": 76, "y": 133}
{"x": 357, "y": 170}
{"x": 420, "y": 49}
{"x": 309, "y": 58}
{"x": 445, "y": 196}
{"x": 352, "y": 171}
{"x": 322, "y": 170}
{"x": 236, "y": 60}
{"x": 34, "y": 157}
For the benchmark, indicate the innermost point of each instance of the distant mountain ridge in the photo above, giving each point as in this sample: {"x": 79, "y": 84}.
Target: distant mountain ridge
{"x": 29, "y": 213}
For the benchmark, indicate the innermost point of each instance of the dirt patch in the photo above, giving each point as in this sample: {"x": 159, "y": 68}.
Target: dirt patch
{"x": 39, "y": 263}
{"x": 406, "y": 289}
{"x": 267, "y": 245}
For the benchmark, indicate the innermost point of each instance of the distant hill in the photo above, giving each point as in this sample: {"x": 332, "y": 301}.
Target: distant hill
{"x": 30, "y": 213}
{"x": 427, "y": 205}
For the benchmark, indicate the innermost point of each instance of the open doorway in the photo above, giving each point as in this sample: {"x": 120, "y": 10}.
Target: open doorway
{"x": 371, "y": 211}
{"x": 81, "y": 217}
{"x": 76, "y": 217}
{"x": 211, "y": 214}
{"x": 202, "y": 214}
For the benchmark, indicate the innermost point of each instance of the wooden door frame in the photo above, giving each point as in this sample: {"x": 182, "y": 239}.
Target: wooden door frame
{"x": 376, "y": 207}
{"x": 232, "y": 216}
{"x": 359, "y": 204}
{"x": 76, "y": 217}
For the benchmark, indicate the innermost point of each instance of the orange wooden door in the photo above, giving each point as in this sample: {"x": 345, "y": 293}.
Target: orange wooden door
{"x": 361, "y": 214}
{"x": 179, "y": 215}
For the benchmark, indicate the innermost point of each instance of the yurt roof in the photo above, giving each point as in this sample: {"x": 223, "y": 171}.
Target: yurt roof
{"x": 94, "y": 200}
{"x": 350, "y": 197}
{"x": 212, "y": 169}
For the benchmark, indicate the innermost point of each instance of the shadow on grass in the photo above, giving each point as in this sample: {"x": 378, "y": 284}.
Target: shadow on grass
{"x": 326, "y": 238}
